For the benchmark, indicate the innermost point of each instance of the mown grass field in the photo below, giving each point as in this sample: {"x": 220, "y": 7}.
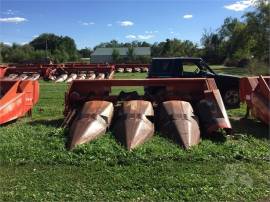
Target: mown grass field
{"x": 35, "y": 165}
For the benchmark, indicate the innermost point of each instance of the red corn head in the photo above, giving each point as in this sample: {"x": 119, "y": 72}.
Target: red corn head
{"x": 91, "y": 122}
{"x": 178, "y": 122}
{"x": 133, "y": 126}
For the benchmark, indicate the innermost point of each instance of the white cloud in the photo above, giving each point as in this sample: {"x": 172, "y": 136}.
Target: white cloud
{"x": 7, "y": 43}
{"x": 13, "y": 20}
{"x": 34, "y": 36}
{"x": 109, "y": 25}
{"x": 9, "y": 12}
{"x": 130, "y": 36}
{"x": 240, "y": 5}
{"x": 172, "y": 32}
{"x": 140, "y": 37}
{"x": 87, "y": 23}
{"x": 151, "y": 32}
{"x": 188, "y": 16}
{"x": 126, "y": 23}
{"x": 23, "y": 43}
{"x": 145, "y": 37}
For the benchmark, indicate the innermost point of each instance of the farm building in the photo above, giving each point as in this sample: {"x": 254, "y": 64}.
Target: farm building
{"x": 104, "y": 55}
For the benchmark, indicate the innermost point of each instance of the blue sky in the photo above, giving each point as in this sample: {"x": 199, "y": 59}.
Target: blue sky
{"x": 92, "y": 22}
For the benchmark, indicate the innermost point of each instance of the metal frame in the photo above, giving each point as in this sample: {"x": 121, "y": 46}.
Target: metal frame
{"x": 18, "y": 98}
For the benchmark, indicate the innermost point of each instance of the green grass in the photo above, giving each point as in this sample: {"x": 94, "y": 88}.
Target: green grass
{"x": 35, "y": 165}
{"x": 230, "y": 70}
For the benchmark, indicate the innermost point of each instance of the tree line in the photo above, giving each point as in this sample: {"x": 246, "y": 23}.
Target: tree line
{"x": 235, "y": 43}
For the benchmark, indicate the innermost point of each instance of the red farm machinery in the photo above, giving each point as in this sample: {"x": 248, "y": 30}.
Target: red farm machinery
{"x": 67, "y": 72}
{"x": 57, "y": 72}
{"x": 183, "y": 110}
{"x": 132, "y": 67}
{"x": 255, "y": 92}
{"x": 17, "y": 98}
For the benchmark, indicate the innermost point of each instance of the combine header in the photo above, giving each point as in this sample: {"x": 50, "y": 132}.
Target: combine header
{"x": 131, "y": 67}
{"x": 24, "y": 72}
{"x": 17, "y": 98}
{"x": 255, "y": 92}
{"x": 69, "y": 72}
{"x": 57, "y": 72}
{"x": 182, "y": 109}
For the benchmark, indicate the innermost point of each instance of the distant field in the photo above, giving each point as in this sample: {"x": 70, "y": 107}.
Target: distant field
{"x": 34, "y": 164}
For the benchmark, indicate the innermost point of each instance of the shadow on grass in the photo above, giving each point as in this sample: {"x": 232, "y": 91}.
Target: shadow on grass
{"x": 251, "y": 127}
{"x": 217, "y": 137}
{"x": 54, "y": 122}
{"x": 8, "y": 123}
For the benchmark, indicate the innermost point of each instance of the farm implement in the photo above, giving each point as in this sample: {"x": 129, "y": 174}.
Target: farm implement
{"x": 183, "y": 109}
{"x": 68, "y": 74}
{"x": 24, "y": 72}
{"x": 68, "y": 71}
{"x": 17, "y": 98}
{"x": 131, "y": 67}
{"x": 57, "y": 72}
{"x": 255, "y": 92}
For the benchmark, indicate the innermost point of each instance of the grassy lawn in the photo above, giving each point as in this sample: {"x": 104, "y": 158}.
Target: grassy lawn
{"x": 34, "y": 164}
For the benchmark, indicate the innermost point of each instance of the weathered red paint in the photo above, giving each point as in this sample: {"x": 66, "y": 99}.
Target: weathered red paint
{"x": 132, "y": 126}
{"x": 17, "y": 98}
{"x": 255, "y": 92}
{"x": 212, "y": 112}
{"x": 46, "y": 71}
{"x": 178, "y": 121}
{"x": 195, "y": 90}
{"x": 3, "y": 70}
{"x": 91, "y": 122}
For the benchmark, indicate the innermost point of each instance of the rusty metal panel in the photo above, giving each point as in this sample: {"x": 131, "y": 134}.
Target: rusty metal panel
{"x": 3, "y": 70}
{"x": 178, "y": 121}
{"x": 91, "y": 122}
{"x": 260, "y": 100}
{"x": 260, "y": 107}
{"x": 212, "y": 112}
{"x": 133, "y": 128}
{"x": 255, "y": 92}
{"x": 263, "y": 87}
{"x": 175, "y": 88}
{"x": 247, "y": 85}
